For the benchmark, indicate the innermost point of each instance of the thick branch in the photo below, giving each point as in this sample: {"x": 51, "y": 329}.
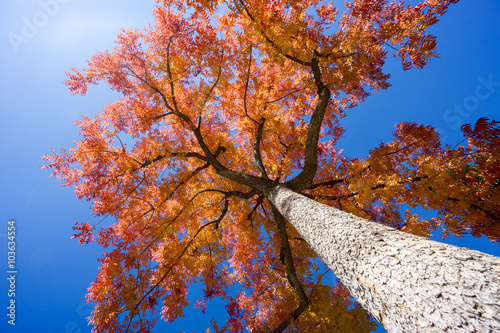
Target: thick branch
{"x": 246, "y": 89}
{"x": 334, "y": 182}
{"x": 353, "y": 194}
{"x": 256, "y": 149}
{"x": 329, "y": 183}
{"x": 290, "y": 272}
{"x": 304, "y": 179}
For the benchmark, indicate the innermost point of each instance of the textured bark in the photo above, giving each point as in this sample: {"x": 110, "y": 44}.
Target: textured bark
{"x": 408, "y": 283}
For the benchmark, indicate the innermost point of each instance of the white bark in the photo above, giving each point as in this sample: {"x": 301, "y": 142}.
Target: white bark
{"x": 408, "y": 283}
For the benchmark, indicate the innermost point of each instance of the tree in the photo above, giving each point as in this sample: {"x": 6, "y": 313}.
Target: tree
{"x": 232, "y": 106}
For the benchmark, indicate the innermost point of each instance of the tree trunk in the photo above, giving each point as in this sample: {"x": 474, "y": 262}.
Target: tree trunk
{"x": 408, "y": 283}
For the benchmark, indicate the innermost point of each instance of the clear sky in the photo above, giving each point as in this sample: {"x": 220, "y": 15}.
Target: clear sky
{"x": 41, "y": 40}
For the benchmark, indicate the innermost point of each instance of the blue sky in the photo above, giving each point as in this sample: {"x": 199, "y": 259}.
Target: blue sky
{"x": 40, "y": 40}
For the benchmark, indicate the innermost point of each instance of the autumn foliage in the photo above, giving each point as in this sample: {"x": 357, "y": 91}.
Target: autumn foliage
{"x": 221, "y": 100}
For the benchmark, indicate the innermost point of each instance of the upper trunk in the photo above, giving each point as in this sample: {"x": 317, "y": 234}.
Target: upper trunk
{"x": 408, "y": 283}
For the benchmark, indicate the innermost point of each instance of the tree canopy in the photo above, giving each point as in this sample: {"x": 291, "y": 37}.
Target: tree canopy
{"x": 221, "y": 100}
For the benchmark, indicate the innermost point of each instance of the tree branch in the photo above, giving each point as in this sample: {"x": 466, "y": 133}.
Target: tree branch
{"x": 375, "y": 187}
{"x": 304, "y": 179}
{"x": 273, "y": 44}
{"x": 290, "y": 272}
{"x": 256, "y": 149}
{"x": 207, "y": 96}
{"x": 246, "y": 89}
{"x": 166, "y": 155}
{"x": 261, "y": 184}
{"x": 216, "y": 222}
